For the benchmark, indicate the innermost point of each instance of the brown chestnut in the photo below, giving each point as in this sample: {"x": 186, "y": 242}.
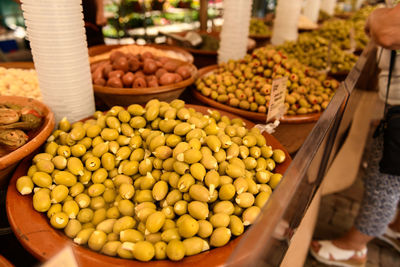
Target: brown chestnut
{"x": 127, "y": 79}
{"x": 178, "y": 78}
{"x": 114, "y": 82}
{"x": 183, "y": 71}
{"x": 146, "y": 55}
{"x": 151, "y": 78}
{"x": 167, "y": 78}
{"x": 139, "y": 82}
{"x": 121, "y": 63}
{"x": 116, "y": 54}
{"x": 115, "y": 73}
{"x": 170, "y": 66}
{"x": 163, "y": 60}
{"x": 160, "y": 72}
{"x": 134, "y": 64}
{"x": 100, "y": 81}
{"x": 98, "y": 73}
{"x": 149, "y": 66}
{"x": 152, "y": 83}
{"x": 107, "y": 69}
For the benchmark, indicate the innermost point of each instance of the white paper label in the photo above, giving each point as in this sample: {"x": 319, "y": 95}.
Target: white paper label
{"x": 64, "y": 258}
{"x": 276, "y": 107}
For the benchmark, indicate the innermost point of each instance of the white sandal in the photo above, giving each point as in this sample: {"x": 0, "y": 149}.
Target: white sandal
{"x": 391, "y": 237}
{"x": 330, "y": 254}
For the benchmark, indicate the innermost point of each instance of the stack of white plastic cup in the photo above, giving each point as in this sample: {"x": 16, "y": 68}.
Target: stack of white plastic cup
{"x": 235, "y": 30}
{"x": 286, "y": 21}
{"x": 57, "y": 38}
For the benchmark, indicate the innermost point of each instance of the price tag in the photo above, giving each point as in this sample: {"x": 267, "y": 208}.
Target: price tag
{"x": 64, "y": 258}
{"x": 276, "y": 107}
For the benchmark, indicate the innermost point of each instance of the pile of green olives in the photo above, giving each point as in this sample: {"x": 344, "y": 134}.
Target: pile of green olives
{"x": 156, "y": 182}
{"x": 313, "y": 50}
{"x": 258, "y": 27}
{"x": 247, "y": 83}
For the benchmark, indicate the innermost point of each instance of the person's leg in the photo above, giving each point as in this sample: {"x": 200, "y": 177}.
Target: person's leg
{"x": 381, "y": 196}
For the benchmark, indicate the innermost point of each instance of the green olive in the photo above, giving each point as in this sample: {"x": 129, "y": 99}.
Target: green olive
{"x": 42, "y": 179}
{"x": 198, "y": 210}
{"x": 106, "y": 226}
{"x": 160, "y": 249}
{"x": 195, "y": 245}
{"x": 250, "y": 215}
{"x": 41, "y": 200}
{"x": 59, "y": 193}
{"x": 110, "y": 248}
{"x": 24, "y": 185}
{"x": 175, "y": 250}
{"x": 59, "y": 220}
{"x": 131, "y": 235}
{"x": 85, "y": 215}
{"x": 143, "y": 251}
{"x": 155, "y": 222}
{"x": 123, "y": 223}
{"x": 275, "y": 180}
{"x": 97, "y": 240}
{"x": 72, "y": 228}
{"x": 54, "y": 208}
{"x": 220, "y": 237}
{"x": 236, "y": 225}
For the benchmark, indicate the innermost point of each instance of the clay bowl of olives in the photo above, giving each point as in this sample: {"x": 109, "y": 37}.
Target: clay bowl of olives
{"x": 250, "y": 115}
{"x": 125, "y": 79}
{"x": 43, "y": 241}
{"x": 10, "y": 158}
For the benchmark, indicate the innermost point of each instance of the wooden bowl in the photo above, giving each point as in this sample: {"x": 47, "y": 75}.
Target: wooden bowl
{"x": 43, "y": 241}
{"x": 36, "y": 137}
{"x": 102, "y": 49}
{"x": 253, "y": 116}
{"x": 126, "y": 96}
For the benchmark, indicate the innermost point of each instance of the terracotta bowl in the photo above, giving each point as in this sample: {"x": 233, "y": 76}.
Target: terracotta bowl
{"x": 4, "y": 262}
{"x": 101, "y": 49}
{"x": 253, "y": 116}
{"x": 43, "y": 241}
{"x": 36, "y": 137}
{"x": 125, "y": 96}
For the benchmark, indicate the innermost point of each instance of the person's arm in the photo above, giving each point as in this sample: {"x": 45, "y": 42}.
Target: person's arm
{"x": 100, "y": 18}
{"x": 383, "y": 26}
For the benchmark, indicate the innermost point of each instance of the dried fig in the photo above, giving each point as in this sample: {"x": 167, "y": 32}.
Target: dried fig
{"x": 139, "y": 82}
{"x": 170, "y": 66}
{"x": 121, "y": 63}
{"x": 146, "y": 55}
{"x": 127, "y": 79}
{"x": 152, "y": 83}
{"x": 167, "y": 78}
{"x": 134, "y": 64}
{"x": 160, "y": 72}
{"x": 149, "y": 66}
{"x": 100, "y": 81}
{"x": 116, "y": 54}
{"x": 115, "y": 73}
{"x": 107, "y": 69}
{"x": 178, "y": 78}
{"x": 183, "y": 71}
{"x": 115, "y": 82}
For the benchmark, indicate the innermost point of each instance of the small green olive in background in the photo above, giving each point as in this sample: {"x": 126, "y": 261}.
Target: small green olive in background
{"x": 97, "y": 240}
